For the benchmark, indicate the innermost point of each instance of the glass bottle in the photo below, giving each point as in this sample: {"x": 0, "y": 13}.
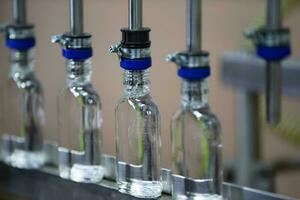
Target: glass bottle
{"x": 24, "y": 113}
{"x": 138, "y": 138}
{"x": 3, "y": 149}
{"x": 80, "y": 125}
{"x": 196, "y": 144}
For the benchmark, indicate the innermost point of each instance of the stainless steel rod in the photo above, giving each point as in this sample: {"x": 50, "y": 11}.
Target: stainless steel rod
{"x": 19, "y": 11}
{"x": 194, "y": 23}
{"x": 76, "y": 17}
{"x": 135, "y": 14}
{"x": 273, "y": 84}
{"x": 273, "y": 92}
{"x": 274, "y": 18}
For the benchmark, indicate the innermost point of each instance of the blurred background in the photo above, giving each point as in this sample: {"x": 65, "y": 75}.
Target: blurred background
{"x": 223, "y": 24}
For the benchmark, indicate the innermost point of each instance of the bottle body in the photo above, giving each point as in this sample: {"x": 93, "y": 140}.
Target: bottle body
{"x": 3, "y": 150}
{"x": 138, "y": 138}
{"x": 24, "y": 119}
{"x": 80, "y": 126}
{"x": 196, "y": 146}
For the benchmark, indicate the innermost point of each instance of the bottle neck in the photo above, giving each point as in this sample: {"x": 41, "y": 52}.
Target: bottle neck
{"x": 78, "y": 72}
{"x": 194, "y": 94}
{"x": 136, "y": 83}
{"x": 21, "y": 63}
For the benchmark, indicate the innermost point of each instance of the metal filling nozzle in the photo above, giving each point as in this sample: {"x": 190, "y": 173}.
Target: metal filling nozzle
{"x": 76, "y": 38}
{"x": 193, "y": 57}
{"x": 135, "y": 43}
{"x": 273, "y": 45}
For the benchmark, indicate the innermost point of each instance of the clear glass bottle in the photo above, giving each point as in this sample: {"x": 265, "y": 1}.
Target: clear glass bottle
{"x": 138, "y": 138}
{"x": 196, "y": 143}
{"x": 3, "y": 150}
{"x": 80, "y": 126}
{"x": 24, "y": 113}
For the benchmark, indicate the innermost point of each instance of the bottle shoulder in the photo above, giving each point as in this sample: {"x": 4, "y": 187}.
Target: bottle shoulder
{"x": 84, "y": 94}
{"x": 143, "y": 104}
{"x": 203, "y": 115}
{"x": 28, "y": 82}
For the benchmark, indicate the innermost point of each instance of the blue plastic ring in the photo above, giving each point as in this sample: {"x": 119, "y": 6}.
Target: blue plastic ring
{"x": 77, "y": 54}
{"x": 20, "y": 44}
{"x": 273, "y": 53}
{"x": 136, "y": 64}
{"x": 194, "y": 73}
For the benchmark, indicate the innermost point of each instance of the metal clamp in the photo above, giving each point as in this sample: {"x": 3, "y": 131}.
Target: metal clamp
{"x": 269, "y": 38}
{"x": 130, "y": 53}
{"x": 68, "y": 41}
{"x": 19, "y": 37}
{"x": 19, "y": 31}
{"x": 15, "y": 31}
{"x": 189, "y": 60}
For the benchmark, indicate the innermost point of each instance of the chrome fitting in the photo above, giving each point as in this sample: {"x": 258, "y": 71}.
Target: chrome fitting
{"x": 14, "y": 31}
{"x": 130, "y": 53}
{"x": 68, "y": 41}
{"x": 189, "y": 60}
{"x": 269, "y": 38}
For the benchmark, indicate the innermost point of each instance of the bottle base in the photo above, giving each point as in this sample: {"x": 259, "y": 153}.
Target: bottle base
{"x": 64, "y": 172}
{"x": 141, "y": 189}
{"x": 85, "y": 173}
{"x": 197, "y": 197}
{"x": 25, "y": 159}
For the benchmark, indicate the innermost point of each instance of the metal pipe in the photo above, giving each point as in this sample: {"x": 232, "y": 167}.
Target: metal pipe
{"x": 249, "y": 137}
{"x": 273, "y": 84}
{"x": 273, "y": 92}
{"x": 194, "y": 24}
{"x": 19, "y": 11}
{"x": 135, "y": 14}
{"x": 76, "y": 17}
{"x": 274, "y": 18}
